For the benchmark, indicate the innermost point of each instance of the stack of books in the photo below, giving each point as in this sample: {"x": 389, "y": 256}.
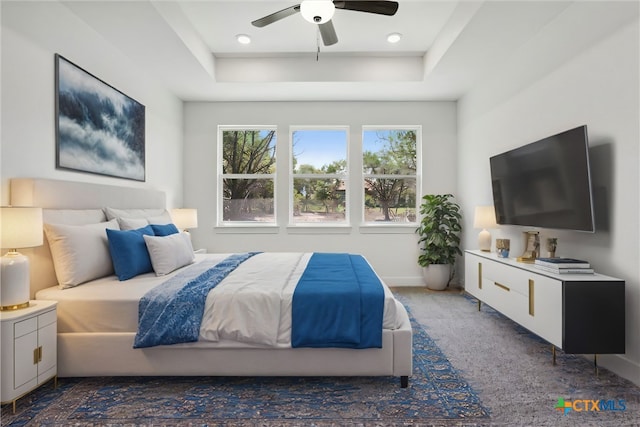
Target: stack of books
{"x": 564, "y": 265}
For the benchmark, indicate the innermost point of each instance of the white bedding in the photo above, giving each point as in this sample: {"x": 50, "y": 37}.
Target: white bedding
{"x": 261, "y": 288}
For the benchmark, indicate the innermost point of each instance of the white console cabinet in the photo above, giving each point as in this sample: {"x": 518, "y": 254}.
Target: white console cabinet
{"x": 579, "y": 313}
{"x": 29, "y": 350}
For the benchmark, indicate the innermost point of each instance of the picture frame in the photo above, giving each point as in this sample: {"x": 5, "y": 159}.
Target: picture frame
{"x": 99, "y": 129}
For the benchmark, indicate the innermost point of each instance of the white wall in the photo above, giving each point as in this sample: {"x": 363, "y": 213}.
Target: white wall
{"x": 393, "y": 254}
{"x": 32, "y": 32}
{"x": 598, "y": 87}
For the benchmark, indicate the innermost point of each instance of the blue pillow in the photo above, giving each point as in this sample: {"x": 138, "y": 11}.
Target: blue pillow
{"x": 164, "y": 229}
{"x": 129, "y": 252}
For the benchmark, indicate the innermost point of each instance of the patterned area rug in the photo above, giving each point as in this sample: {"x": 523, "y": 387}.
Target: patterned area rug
{"x": 437, "y": 395}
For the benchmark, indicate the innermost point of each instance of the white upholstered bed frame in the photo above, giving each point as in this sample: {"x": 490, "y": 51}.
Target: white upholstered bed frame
{"x": 111, "y": 354}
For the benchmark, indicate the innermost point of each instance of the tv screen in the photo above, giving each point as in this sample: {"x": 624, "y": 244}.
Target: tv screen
{"x": 545, "y": 184}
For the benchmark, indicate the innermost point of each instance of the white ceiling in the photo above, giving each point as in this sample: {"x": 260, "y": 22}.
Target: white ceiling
{"x": 447, "y": 47}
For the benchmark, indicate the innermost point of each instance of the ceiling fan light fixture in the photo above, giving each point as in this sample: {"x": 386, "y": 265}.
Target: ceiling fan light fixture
{"x": 394, "y": 37}
{"x": 243, "y": 38}
{"x": 317, "y": 11}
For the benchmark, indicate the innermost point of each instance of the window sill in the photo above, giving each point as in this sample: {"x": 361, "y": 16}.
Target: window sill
{"x": 319, "y": 229}
{"x": 248, "y": 229}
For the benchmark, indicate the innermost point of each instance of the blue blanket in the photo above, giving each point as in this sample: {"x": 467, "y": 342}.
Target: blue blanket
{"x": 338, "y": 302}
{"x": 172, "y": 312}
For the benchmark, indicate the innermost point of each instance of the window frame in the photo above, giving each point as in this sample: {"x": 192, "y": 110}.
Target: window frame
{"x": 345, "y": 177}
{"x": 220, "y": 222}
{"x": 418, "y": 178}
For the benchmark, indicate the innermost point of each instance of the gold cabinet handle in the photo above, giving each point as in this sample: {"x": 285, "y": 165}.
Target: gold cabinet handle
{"x": 531, "y": 294}
{"x": 40, "y": 354}
{"x": 35, "y": 356}
{"x": 479, "y": 275}
{"x": 501, "y": 286}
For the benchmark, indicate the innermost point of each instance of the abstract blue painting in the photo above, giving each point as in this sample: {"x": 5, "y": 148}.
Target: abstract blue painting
{"x": 98, "y": 128}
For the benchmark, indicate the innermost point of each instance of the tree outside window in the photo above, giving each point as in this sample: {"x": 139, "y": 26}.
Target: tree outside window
{"x": 248, "y": 174}
{"x": 390, "y": 173}
{"x": 319, "y": 176}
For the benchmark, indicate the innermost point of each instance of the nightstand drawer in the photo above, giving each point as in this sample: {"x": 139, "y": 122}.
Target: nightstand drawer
{"x": 47, "y": 318}
{"x": 25, "y": 327}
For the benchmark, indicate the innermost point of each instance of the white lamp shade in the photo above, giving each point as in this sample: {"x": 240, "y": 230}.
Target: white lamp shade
{"x": 317, "y": 11}
{"x": 20, "y": 227}
{"x": 185, "y": 218}
{"x": 485, "y": 217}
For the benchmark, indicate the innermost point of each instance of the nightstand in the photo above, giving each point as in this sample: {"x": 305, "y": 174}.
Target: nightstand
{"x": 29, "y": 350}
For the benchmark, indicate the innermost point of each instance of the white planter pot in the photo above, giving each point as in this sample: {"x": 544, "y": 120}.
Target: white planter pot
{"x": 436, "y": 276}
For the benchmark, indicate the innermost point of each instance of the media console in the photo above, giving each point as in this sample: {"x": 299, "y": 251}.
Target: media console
{"x": 578, "y": 313}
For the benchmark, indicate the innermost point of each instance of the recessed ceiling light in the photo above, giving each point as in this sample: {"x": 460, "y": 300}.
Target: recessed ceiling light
{"x": 394, "y": 37}
{"x": 243, "y": 39}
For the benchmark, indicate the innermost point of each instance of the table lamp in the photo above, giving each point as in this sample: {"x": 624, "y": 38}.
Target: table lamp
{"x": 485, "y": 217}
{"x": 185, "y": 218}
{"x": 19, "y": 228}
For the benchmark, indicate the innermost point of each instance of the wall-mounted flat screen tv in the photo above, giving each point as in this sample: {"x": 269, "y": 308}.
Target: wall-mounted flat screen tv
{"x": 546, "y": 183}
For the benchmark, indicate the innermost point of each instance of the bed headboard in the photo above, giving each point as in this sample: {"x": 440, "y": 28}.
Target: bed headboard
{"x": 56, "y": 194}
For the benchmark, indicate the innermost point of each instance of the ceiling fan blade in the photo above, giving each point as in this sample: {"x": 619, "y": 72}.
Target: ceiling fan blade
{"x": 388, "y": 8}
{"x": 281, "y": 14}
{"x": 328, "y": 33}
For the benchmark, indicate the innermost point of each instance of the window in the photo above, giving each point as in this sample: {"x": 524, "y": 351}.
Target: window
{"x": 390, "y": 173}
{"x": 247, "y": 181}
{"x": 319, "y": 176}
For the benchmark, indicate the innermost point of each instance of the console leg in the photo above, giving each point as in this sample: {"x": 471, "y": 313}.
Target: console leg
{"x": 479, "y": 304}
{"x": 595, "y": 364}
{"x": 404, "y": 381}
{"x": 553, "y": 352}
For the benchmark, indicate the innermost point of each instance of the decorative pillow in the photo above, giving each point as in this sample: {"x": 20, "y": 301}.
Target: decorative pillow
{"x": 169, "y": 253}
{"x": 129, "y": 252}
{"x": 164, "y": 229}
{"x": 159, "y": 215}
{"x": 132, "y": 223}
{"x": 80, "y": 252}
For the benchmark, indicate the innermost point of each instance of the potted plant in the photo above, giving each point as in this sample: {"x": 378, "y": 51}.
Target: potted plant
{"x": 439, "y": 232}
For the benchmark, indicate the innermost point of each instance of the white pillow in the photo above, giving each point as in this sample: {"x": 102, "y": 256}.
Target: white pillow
{"x": 132, "y": 223}
{"x": 170, "y": 252}
{"x": 80, "y": 252}
{"x": 149, "y": 214}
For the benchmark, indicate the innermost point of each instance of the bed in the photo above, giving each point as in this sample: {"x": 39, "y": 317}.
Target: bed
{"x": 98, "y": 319}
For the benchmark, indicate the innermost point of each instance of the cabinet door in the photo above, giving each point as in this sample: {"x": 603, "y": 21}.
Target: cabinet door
{"x": 473, "y": 275}
{"x": 47, "y": 342}
{"x": 25, "y": 362}
{"x": 547, "y": 308}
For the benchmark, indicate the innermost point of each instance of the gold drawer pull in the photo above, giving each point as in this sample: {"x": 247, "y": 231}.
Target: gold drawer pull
{"x": 500, "y": 285}
{"x": 479, "y": 275}
{"x": 35, "y": 356}
{"x": 40, "y": 354}
{"x": 531, "y": 294}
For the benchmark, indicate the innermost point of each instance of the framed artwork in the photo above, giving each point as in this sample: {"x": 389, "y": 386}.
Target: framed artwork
{"x": 98, "y": 128}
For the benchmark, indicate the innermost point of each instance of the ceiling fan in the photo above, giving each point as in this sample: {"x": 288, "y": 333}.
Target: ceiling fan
{"x": 320, "y": 12}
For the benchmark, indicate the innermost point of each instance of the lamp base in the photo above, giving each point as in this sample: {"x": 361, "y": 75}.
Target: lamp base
{"x": 14, "y": 281}
{"x": 484, "y": 241}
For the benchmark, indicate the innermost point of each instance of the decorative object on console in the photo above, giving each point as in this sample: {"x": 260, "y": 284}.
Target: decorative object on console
{"x": 185, "y": 218}
{"x": 439, "y": 232}
{"x": 502, "y": 247}
{"x": 531, "y": 245}
{"x": 552, "y": 244}
{"x": 88, "y": 109}
{"x": 21, "y": 227}
{"x": 485, "y": 217}
{"x": 564, "y": 265}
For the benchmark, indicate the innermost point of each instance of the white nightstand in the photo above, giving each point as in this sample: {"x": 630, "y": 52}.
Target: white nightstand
{"x": 29, "y": 350}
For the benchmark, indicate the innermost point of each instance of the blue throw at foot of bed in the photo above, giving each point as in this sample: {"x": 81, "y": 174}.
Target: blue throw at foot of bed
{"x": 338, "y": 302}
